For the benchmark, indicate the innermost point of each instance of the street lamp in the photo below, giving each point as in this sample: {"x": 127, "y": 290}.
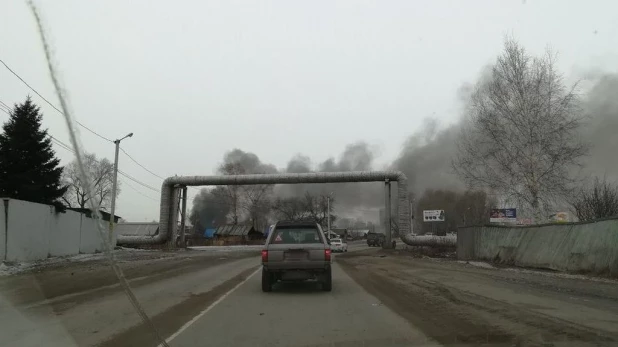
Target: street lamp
{"x": 114, "y": 185}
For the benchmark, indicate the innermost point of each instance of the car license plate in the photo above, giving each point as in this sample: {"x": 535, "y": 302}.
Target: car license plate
{"x": 296, "y": 255}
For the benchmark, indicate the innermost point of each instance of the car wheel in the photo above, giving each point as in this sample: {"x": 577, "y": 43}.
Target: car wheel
{"x": 267, "y": 285}
{"x": 327, "y": 284}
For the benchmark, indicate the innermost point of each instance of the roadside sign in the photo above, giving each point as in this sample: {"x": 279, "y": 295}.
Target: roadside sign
{"x": 561, "y": 217}
{"x": 433, "y": 215}
{"x": 503, "y": 215}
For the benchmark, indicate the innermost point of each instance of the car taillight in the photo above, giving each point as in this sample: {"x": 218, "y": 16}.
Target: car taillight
{"x": 264, "y": 255}
{"x": 327, "y": 254}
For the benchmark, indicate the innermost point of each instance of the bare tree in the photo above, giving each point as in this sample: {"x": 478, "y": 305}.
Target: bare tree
{"x": 256, "y": 202}
{"x": 292, "y": 208}
{"x": 598, "y": 200}
{"x": 250, "y": 201}
{"x": 309, "y": 206}
{"x": 233, "y": 193}
{"x": 521, "y": 138}
{"x": 102, "y": 173}
{"x": 317, "y": 208}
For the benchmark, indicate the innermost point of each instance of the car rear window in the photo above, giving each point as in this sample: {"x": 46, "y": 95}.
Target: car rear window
{"x": 295, "y": 236}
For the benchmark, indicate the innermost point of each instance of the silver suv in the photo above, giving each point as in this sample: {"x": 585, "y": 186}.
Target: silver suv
{"x": 296, "y": 251}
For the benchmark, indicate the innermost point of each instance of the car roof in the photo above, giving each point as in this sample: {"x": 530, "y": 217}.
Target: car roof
{"x": 296, "y": 223}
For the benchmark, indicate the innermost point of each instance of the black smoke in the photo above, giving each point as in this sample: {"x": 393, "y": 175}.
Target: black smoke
{"x": 426, "y": 156}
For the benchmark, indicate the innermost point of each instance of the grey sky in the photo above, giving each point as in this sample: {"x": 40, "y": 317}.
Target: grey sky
{"x": 193, "y": 79}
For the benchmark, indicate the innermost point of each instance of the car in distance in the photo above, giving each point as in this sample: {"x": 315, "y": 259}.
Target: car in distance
{"x": 375, "y": 239}
{"x": 296, "y": 251}
{"x": 338, "y": 245}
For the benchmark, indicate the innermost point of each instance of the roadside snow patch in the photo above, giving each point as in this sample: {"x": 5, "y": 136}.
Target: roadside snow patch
{"x": 239, "y": 248}
{"x": 477, "y": 264}
{"x": 13, "y": 269}
{"x": 563, "y": 275}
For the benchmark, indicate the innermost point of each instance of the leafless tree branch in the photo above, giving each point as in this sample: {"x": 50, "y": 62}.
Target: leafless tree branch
{"x": 521, "y": 137}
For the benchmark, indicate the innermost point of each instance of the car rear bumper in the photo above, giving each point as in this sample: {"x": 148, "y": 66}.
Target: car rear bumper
{"x": 290, "y": 266}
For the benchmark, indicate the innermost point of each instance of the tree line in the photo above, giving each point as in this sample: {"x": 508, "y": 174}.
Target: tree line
{"x": 30, "y": 170}
{"x": 520, "y": 140}
{"x": 254, "y": 205}
{"x": 519, "y": 143}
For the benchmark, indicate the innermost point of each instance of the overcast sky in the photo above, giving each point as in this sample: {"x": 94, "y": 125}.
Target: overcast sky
{"x": 194, "y": 79}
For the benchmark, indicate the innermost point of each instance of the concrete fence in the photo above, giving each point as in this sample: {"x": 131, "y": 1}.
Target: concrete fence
{"x": 31, "y": 231}
{"x": 574, "y": 247}
{"x": 433, "y": 240}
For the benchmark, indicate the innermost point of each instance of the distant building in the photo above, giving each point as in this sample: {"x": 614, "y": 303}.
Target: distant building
{"x": 88, "y": 213}
{"x": 237, "y": 232}
{"x": 209, "y": 233}
{"x": 341, "y": 232}
{"x": 358, "y": 233}
{"x": 137, "y": 229}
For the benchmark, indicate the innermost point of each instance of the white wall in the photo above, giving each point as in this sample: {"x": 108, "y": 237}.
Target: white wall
{"x": 36, "y": 231}
{"x": 578, "y": 247}
{"x": 28, "y": 231}
{"x": 90, "y": 240}
{"x": 64, "y": 233}
{"x": 2, "y": 231}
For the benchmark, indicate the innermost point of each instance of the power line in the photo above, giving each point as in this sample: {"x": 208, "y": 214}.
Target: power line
{"x": 65, "y": 146}
{"x": 140, "y": 165}
{"x": 68, "y": 148}
{"x": 5, "y": 105}
{"x": 49, "y": 103}
{"x": 149, "y": 171}
{"x": 62, "y": 144}
{"x": 137, "y": 191}
{"x": 139, "y": 182}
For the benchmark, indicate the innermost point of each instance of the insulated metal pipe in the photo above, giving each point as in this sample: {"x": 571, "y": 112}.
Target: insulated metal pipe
{"x": 387, "y": 215}
{"x": 167, "y": 223}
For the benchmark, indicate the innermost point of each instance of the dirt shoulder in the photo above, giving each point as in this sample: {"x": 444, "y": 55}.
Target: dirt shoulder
{"x": 73, "y": 275}
{"x": 462, "y": 305}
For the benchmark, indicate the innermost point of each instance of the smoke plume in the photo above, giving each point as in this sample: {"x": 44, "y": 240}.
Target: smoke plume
{"x": 601, "y": 129}
{"x": 427, "y": 154}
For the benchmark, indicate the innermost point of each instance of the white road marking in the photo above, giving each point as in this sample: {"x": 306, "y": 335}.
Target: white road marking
{"x": 201, "y": 314}
{"x": 84, "y": 292}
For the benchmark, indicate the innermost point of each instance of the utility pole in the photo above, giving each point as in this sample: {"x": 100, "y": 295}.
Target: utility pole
{"x": 328, "y": 211}
{"x": 183, "y": 213}
{"x": 114, "y": 187}
{"x": 387, "y": 221}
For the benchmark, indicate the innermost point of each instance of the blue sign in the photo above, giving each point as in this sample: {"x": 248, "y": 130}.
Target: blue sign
{"x": 503, "y": 215}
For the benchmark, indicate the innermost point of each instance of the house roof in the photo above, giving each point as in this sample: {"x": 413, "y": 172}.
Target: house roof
{"x": 139, "y": 229}
{"x": 235, "y": 230}
{"x": 88, "y": 212}
{"x": 339, "y": 231}
{"x": 296, "y": 223}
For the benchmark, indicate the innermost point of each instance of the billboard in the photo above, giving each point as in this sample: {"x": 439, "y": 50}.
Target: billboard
{"x": 503, "y": 215}
{"x": 433, "y": 215}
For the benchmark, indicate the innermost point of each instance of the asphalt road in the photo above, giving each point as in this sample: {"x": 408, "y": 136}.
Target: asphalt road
{"x": 300, "y": 315}
{"x": 379, "y": 298}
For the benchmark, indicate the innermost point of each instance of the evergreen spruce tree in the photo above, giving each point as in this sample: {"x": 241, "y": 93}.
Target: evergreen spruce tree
{"x": 29, "y": 169}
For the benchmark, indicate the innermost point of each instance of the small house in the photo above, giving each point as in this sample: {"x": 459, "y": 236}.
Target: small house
{"x": 237, "y": 233}
{"x": 106, "y": 216}
{"x": 137, "y": 229}
{"x": 341, "y": 232}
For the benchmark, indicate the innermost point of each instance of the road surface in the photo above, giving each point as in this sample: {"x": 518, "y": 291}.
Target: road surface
{"x": 379, "y": 298}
